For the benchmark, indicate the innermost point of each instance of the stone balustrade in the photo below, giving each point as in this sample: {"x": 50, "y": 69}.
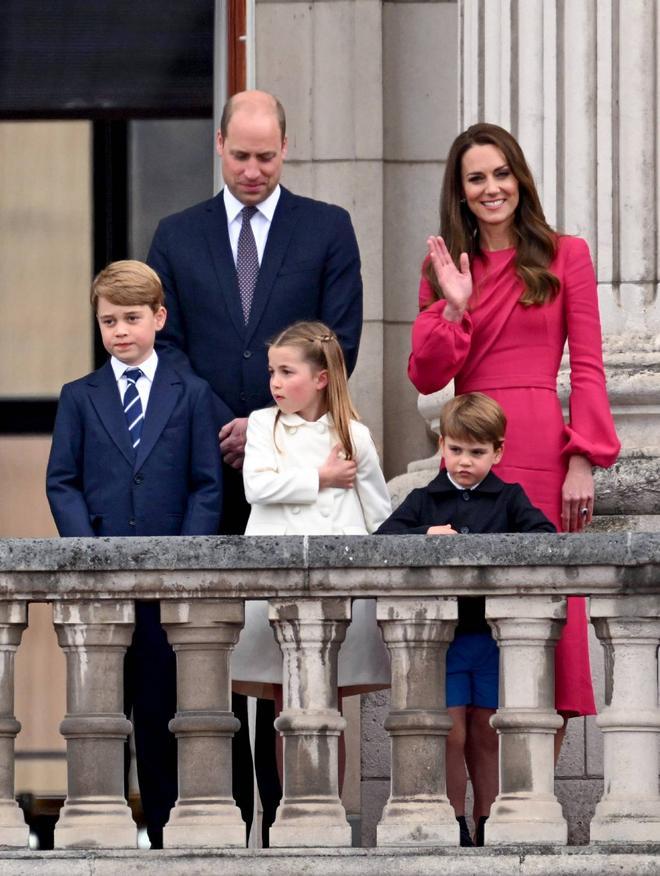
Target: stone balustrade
{"x": 309, "y": 582}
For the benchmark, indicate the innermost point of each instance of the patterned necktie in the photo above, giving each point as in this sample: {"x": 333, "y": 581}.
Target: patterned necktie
{"x": 247, "y": 262}
{"x": 133, "y": 406}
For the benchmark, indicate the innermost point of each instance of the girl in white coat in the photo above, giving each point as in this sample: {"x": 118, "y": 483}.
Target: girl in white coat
{"x": 311, "y": 469}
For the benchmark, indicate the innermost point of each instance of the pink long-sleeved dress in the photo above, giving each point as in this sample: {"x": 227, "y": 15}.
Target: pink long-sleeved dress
{"x": 512, "y": 353}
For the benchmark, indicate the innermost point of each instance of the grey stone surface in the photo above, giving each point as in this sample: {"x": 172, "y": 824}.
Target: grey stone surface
{"x": 571, "y": 763}
{"x": 578, "y": 798}
{"x": 368, "y": 398}
{"x": 420, "y": 115}
{"x": 375, "y": 747}
{"x": 374, "y": 797}
{"x": 405, "y": 432}
{"x": 612, "y": 861}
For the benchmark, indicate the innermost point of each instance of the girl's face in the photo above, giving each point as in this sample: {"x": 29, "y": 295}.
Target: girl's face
{"x": 490, "y": 189}
{"x": 296, "y": 386}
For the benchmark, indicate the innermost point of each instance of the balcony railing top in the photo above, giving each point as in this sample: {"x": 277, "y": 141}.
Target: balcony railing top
{"x": 313, "y": 566}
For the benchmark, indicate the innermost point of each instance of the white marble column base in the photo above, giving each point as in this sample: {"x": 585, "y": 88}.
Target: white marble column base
{"x": 511, "y": 821}
{"x": 316, "y": 824}
{"x": 109, "y": 826}
{"x": 418, "y": 824}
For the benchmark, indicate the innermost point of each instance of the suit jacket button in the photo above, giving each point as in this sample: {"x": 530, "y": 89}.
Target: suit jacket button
{"x": 295, "y": 509}
{"x": 465, "y": 530}
{"x": 242, "y": 396}
{"x": 131, "y": 522}
{"x": 247, "y": 354}
{"x": 466, "y": 496}
{"x": 138, "y": 479}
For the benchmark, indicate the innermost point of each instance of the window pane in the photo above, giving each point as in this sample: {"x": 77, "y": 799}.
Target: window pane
{"x": 46, "y": 256}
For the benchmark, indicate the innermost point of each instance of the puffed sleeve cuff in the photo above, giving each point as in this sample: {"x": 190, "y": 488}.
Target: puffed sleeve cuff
{"x": 439, "y": 348}
{"x": 602, "y": 453}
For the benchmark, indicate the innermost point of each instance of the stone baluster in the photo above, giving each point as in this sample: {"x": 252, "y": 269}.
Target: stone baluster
{"x": 417, "y": 633}
{"x": 94, "y": 637}
{"x": 629, "y": 629}
{"x": 203, "y": 634}
{"x": 13, "y": 620}
{"x": 526, "y": 810}
{"x": 310, "y": 632}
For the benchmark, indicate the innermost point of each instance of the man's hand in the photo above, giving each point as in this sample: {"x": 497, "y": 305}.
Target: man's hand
{"x": 232, "y": 442}
{"x": 337, "y": 471}
{"x": 445, "y": 529}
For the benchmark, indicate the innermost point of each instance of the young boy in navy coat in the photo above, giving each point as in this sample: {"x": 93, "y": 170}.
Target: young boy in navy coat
{"x": 467, "y": 497}
{"x": 135, "y": 452}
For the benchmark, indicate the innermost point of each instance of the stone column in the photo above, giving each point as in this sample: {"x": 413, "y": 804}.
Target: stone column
{"x": 203, "y": 634}
{"x": 310, "y": 632}
{"x": 526, "y": 810}
{"x": 417, "y": 633}
{"x": 577, "y": 84}
{"x": 13, "y": 620}
{"x": 629, "y": 629}
{"x": 94, "y": 636}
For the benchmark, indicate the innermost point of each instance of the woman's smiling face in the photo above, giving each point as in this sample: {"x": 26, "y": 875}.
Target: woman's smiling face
{"x": 490, "y": 189}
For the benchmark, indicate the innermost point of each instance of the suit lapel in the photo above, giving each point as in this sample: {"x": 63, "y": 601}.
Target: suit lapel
{"x": 104, "y": 395}
{"x": 165, "y": 393}
{"x": 279, "y": 236}
{"x": 223, "y": 261}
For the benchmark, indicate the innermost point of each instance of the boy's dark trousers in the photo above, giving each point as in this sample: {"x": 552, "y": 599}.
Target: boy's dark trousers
{"x": 150, "y": 702}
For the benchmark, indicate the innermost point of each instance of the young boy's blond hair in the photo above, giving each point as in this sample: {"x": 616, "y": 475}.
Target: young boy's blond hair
{"x": 474, "y": 417}
{"x": 126, "y": 283}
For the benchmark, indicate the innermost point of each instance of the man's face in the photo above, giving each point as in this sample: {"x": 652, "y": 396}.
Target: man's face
{"x": 252, "y": 155}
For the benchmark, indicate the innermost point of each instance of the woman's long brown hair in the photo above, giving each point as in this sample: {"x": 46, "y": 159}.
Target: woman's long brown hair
{"x": 321, "y": 350}
{"x": 535, "y": 240}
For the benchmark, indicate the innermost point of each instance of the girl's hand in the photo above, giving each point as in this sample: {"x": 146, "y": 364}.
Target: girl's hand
{"x": 441, "y": 530}
{"x": 456, "y": 283}
{"x": 337, "y": 471}
{"x": 577, "y": 495}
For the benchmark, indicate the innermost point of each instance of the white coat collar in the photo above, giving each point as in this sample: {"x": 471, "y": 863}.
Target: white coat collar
{"x": 296, "y": 420}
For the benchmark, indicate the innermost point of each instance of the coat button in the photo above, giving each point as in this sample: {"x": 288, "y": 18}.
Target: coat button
{"x": 291, "y": 429}
{"x": 131, "y": 522}
{"x": 325, "y": 512}
{"x": 295, "y": 509}
{"x": 138, "y": 479}
{"x": 466, "y": 496}
{"x": 320, "y": 427}
{"x": 247, "y": 354}
{"x": 465, "y": 530}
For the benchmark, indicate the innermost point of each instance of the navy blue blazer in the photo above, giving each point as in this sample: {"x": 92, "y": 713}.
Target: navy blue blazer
{"x": 310, "y": 270}
{"x": 98, "y": 485}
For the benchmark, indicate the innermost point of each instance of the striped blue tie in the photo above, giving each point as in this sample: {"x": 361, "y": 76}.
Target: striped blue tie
{"x": 133, "y": 406}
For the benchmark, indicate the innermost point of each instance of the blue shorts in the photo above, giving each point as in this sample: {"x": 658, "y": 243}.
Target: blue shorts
{"x": 473, "y": 668}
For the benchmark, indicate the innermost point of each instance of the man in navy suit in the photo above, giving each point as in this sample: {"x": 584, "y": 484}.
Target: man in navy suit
{"x": 306, "y": 264}
{"x": 134, "y": 452}
{"x": 308, "y": 268}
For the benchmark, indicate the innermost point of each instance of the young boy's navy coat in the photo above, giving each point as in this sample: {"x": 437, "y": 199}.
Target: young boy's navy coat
{"x": 98, "y": 485}
{"x": 493, "y": 506}
{"x": 171, "y": 485}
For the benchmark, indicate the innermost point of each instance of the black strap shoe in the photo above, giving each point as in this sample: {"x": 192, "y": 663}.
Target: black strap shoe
{"x": 479, "y": 835}
{"x": 466, "y": 839}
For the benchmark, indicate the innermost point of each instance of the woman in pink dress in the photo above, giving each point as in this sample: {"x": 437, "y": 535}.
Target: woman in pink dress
{"x": 500, "y": 294}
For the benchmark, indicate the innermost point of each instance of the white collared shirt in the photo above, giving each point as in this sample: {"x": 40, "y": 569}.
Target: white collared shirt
{"x": 148, "y": 369}
{"x": 459, "y": 487}
{"x": 260, "y": 222}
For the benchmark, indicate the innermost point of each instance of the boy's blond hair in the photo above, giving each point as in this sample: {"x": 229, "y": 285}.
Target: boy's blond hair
{"x": 128, "y": 282}
{"x": 474, "y": 417}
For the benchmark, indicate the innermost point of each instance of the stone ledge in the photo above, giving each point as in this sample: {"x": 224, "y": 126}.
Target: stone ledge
{"x": 511, "y": 861}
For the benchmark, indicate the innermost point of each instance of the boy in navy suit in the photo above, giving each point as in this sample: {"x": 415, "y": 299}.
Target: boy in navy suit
{"x": 467, "y": 497}
{"x": 135, "y": 452}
